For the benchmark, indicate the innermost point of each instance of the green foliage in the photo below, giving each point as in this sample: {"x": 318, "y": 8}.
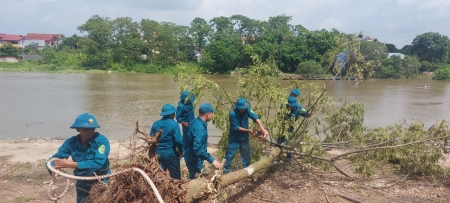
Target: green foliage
{"x": 427, "y": 66}
{"x": 225, "y": 57}
{"x": 64, "y": 57}
{"x": 345, "y": 123}
{"x": 227, "y": 43}
{"x": 356, "y": 65}
{"x": 199, "y": 30}
{"x": 412, "y": 149}
{"x": 97, "y": 44}
{"x": 431, "y": 47}
{"x": 442, "y": 73}
{"x": 27, "y": 50}
{"x": 258, "y": 88}
{"x": 414, "y": 159}
{"x": 69, "y": 42}
{"x": 28, "y": 66}
{"x": 126, "y": 42}
{"x": 309, "y": 68}
{"x": 395, "y": 67}
{"x": 411, "y": 66}
{"x": 392, "y": 48}
{"x": 407, "y": 50}
{"x": 374, "y": 51}
{"x": 9, "y": 50}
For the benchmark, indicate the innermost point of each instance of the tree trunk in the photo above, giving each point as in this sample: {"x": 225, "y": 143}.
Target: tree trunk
{"x": 197, "y": 187}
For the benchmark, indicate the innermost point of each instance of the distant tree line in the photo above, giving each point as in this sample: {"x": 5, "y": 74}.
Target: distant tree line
{"x": 226, "y": 43}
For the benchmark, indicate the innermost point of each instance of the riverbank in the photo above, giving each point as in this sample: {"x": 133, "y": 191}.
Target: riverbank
{"x": 29, "y": 66}
{"x": 23, "y": 178}
{"x": 35, "y": 66}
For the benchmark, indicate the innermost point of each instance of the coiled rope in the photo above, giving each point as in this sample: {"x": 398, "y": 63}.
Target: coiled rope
{"x": 52, "y": 187}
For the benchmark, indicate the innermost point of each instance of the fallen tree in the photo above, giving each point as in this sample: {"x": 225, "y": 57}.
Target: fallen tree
{"x": 132, "y": 187}
{"x": 414, "y": 150}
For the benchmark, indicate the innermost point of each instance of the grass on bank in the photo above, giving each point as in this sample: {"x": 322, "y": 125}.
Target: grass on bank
{"x": 32, "y": 66}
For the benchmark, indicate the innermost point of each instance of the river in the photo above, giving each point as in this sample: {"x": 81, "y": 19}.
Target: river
{"x": 46, "y": 104}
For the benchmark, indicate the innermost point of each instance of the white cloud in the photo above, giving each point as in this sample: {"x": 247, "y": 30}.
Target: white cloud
{"x": 432, "y": 4}
{"x": 332, "y": 22}
{"x": 396, "y": 21}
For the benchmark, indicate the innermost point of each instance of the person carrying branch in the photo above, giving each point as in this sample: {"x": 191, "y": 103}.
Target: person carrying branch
{"x": 238, "y": 138}
{"x": 196, "y": 142}
{"x": 170, "y": 145}
{"x": 89, "y": 151}
{"x": 185, "y": 111}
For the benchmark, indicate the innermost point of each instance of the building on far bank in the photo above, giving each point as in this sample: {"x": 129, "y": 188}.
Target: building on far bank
{"x": 53, "y": 40}
{"x": 369, "y": 39}
{"x": 31, "y": 40}
{"x": 402, "y": 56}
{"x": 15, "y": 40}
{"x": 33, "y": 43}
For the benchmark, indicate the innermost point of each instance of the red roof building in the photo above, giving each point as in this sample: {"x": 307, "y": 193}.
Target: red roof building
{"x": 50, "y": 39}
{"x": 7, "y": 38}
{"x": 11, "y": 39}
{"x": 47, "y": 37}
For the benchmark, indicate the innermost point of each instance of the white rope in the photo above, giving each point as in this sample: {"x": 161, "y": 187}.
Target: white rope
{"x": 55, "y": 171}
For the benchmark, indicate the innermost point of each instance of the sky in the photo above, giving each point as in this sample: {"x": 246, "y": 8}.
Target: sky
{"x": 391, "y": 21}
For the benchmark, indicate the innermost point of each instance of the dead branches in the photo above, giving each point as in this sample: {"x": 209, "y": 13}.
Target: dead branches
{"x": 132, "y": 187}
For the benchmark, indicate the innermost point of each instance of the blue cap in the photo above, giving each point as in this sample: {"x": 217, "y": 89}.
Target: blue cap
{"x": 241, "y": 103}
{"x": 184, "y": 95}
{"x": 206, "y": 108}
{"x": 85, "y": 121}
{"x": 292, "y": 101}
{"x": 296, "y": 92}
{"x": 167, "y": 110}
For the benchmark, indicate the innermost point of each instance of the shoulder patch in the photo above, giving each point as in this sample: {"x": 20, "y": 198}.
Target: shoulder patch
{"x": 251, "y": 111}
{"x": 101, "y": 149}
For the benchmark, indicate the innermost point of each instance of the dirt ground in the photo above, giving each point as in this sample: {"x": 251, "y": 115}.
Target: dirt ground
{"x": 23, "y": 178}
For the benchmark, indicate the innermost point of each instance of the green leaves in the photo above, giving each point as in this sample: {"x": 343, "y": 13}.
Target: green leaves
{"x": 395, "y": 67}
{"x": 408, "y": 148}
{"x": 414, "y": 150}
{"x": 431, "y": 47}
{"x": 309, "y": 68}
{"x": 345, "y": 123}
{"x": 442, "y": 73}
{"x": 97, "y": 43}
{"x": 9, "y": 50}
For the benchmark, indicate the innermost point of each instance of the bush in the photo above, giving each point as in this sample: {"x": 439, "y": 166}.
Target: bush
{"x": 309, "y": 68}
{"x": 442, "y": 73}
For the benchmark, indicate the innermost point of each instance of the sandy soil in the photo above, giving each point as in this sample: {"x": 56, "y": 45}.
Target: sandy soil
{"x": 23, "y": 178}
{"x": 33, "y": 150}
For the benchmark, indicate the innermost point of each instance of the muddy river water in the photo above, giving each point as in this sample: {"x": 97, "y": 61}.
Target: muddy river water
{"x": 46, "y": 104}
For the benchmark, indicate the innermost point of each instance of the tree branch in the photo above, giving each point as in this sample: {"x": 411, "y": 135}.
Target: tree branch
{"x": 349, "y": 198}
{"x": 385, "y": 147}
{"x": 223, "y": 89}
{"x": 219, "y": 99}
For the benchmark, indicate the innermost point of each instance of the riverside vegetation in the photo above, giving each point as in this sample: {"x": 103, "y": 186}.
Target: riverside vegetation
{"x": 224, "y": 44}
